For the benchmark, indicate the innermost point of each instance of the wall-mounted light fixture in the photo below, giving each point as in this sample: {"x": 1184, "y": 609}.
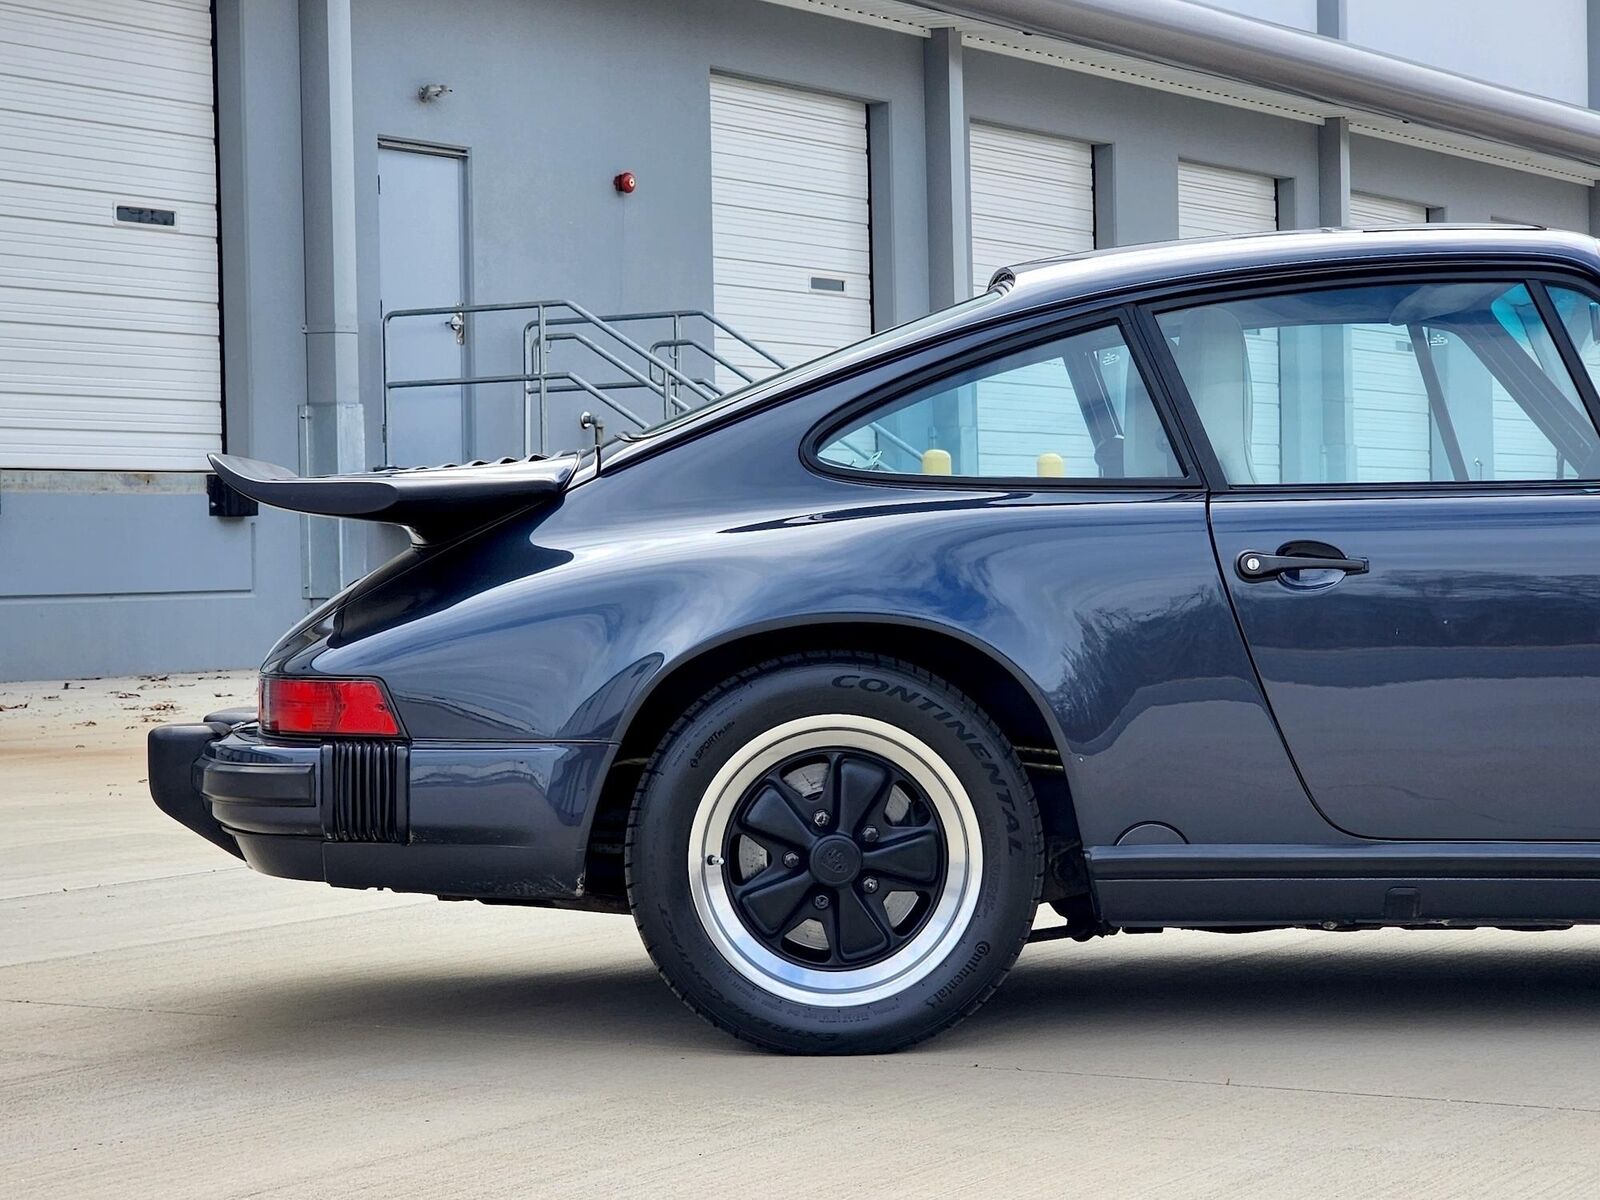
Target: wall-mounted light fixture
{"x": 429, "y": 92}
{"x": 625, "y": 182}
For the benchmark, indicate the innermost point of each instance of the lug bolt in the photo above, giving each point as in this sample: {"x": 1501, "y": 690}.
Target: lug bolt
{"x": 869, "y": 834}
{"x": 869, "y": 885}
{"x": 791, "y": 860}
{"x": 820, "y": 902}
{"x": 820, "y": 819}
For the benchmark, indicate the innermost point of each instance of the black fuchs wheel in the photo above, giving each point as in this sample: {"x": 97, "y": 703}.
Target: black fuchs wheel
{"x": 834, "y": 854}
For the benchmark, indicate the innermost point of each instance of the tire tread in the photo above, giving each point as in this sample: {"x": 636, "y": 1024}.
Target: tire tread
{"x": 1028, "y": 811}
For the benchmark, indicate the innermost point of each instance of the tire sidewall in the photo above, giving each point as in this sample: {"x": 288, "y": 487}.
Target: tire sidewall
{"x": 676, "y": 786}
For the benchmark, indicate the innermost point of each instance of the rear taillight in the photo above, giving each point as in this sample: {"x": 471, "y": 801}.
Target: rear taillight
{"x": 351, "y": 707}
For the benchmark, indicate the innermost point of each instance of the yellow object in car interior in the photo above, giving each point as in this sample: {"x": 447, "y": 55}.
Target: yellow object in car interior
{"x": 1052, "y": 466}
{"x": 936, "y": 462}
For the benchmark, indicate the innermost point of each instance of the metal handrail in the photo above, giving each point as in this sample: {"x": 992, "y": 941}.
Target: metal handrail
{"x": 535, "y": 361}
{"x": 638, "y": 379}
{"x": 684, "y": 314}
{"x": 656, "y": 372}
{"x": 678, "y": 343}
{"x": 611, "y": 402}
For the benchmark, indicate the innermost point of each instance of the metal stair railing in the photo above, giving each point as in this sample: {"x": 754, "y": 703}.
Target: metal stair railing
{"x": 557, "y": 322}
{"x": 658, "y": 369}
{"x": 671, "y": 383}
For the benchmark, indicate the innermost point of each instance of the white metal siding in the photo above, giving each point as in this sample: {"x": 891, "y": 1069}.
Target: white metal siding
{"x": 109, "y": 354}
{"x": 1217, "y": 201}
{"x": 789, "y": 217}
{"x": 1367, "y": 210}
{"x": 1389, "y": 406}
{"x": 1389, "y": 399}
{"x": 1032, "y": 197}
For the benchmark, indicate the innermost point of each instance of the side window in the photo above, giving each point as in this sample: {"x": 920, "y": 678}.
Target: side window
{"x": 1390, "y": 383}
{"x": 1580, "y": 316}
{"x": 1074, "y": 408}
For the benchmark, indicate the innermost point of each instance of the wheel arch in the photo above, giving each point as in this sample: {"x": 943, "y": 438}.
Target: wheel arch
{"x": 985, "y": 675}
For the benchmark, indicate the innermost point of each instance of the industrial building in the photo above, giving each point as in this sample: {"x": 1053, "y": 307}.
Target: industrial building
{"x": 218, "y": 220}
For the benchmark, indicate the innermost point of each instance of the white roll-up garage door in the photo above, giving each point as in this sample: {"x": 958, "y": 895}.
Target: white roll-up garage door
{"x": 1032, "y": 197}
{"x": 1214, "y": 202}
{"x": 108, "y": 236}
{"x": 1367, "y": 211}
{"x": 1389, "y": 402}
{"x": 792, "y": 257}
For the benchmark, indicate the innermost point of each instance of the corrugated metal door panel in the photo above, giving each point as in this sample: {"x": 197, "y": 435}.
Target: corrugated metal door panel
{"x": 1389, "y": 399}
{"x": 1219, "y": 201}
{"x": 1032, "y": 197}
{"x": 1368, "y": 210}
{"x": 1214, "y": 201}
{"x": 1389, "y": 406}
{"x": 109, "y": 357}
{"x": 791, "y": 240}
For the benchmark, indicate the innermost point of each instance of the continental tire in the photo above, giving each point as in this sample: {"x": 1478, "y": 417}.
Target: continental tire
{"x": 834, "y": 854}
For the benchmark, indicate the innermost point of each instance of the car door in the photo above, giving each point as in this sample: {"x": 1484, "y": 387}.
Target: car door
{"x": 1410, "y": 534}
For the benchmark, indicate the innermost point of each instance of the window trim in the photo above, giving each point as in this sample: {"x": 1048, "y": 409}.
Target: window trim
{"x": 1570, "y": 357}
{"x": 1120, "y": 316}
{"x": 1531, "y": 274}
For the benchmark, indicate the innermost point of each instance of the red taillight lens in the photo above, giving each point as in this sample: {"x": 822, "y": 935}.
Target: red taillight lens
{"x": 357, "y": 707}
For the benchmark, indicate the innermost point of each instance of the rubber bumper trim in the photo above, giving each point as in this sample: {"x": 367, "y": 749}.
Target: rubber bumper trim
{"x": 293, "y": 784}
{"x": 173, "y": 751}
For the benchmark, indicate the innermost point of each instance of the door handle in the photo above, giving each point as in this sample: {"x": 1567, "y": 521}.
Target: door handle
{"x": 1254, "y": 566}
{"x": 458, "y": 326}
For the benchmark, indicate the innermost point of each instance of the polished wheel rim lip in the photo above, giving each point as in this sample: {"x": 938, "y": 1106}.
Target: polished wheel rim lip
{"x": 952, "y": 908}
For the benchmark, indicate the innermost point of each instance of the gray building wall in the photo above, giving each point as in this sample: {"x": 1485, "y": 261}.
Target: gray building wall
{"x": 122, "y": 573}
{"x": 1459, "y": 189}
{"x": 1298, "y": 14}
{"x": 1140, "y": 134}
{"x": 108, "y": 573}
{"x": 552, "y": 100}
{"x": 1539, "y": 47}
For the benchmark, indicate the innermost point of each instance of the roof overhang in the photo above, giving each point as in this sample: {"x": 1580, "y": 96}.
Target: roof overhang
{"x": 1179, "y": 46}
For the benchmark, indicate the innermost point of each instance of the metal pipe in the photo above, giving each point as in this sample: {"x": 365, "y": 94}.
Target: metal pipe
{"x": 674, "y": 343}
{"x": 1202, "y": 38}
{"x": 544, "y": 390}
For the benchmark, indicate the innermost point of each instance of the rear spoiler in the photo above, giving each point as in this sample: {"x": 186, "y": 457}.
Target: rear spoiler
{"x": 430, "y": 501}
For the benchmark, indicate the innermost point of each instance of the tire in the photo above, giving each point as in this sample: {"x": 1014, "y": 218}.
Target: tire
{"x": 834, "y": 853}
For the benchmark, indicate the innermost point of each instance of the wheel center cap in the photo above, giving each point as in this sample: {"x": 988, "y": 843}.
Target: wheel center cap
{"x": 835, "y": 860}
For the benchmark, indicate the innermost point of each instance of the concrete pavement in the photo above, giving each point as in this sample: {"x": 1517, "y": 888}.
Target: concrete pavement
{"x": 173, "y": 1025}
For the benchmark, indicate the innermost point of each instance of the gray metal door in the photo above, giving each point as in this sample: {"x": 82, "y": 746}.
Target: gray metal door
{"x": 420, "y": 265}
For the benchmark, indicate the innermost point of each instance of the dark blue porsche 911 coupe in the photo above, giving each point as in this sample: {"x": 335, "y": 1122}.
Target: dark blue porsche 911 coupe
{"x": 1224, "y": 585}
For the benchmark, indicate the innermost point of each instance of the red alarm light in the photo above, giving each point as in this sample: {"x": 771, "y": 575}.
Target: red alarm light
{"x": 625, "y": 182}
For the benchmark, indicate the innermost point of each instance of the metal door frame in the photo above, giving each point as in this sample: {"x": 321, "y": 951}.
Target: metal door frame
{"x": 463, "y": 301}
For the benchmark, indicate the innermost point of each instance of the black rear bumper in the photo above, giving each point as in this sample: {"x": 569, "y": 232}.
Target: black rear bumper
{"x": 487, "y": 822}
{"x": 174, "y": 753}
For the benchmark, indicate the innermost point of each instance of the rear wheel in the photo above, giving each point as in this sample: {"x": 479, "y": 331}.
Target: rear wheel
{"x": 834, "y": 853}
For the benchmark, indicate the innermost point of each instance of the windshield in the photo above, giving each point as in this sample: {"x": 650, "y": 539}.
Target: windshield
{"x": 880, "y": 341}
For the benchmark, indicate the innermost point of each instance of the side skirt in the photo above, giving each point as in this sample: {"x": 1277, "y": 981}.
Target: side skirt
{"x": 1389, "y": 883}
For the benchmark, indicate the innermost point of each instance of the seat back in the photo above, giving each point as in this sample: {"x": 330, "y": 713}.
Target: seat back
{"x": 1212, "y": 359}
